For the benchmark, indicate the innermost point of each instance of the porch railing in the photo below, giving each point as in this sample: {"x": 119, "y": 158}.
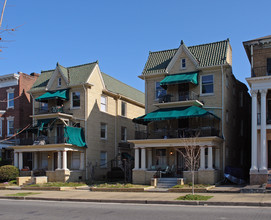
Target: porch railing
{"x": 53, "y": 109}
{"x": 177, "y": 133}
{"x": 41, "y": 140}
{"x": 182, "y": 96}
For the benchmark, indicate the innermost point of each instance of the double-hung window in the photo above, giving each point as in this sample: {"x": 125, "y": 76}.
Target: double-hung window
{"x": 103, "y": 159}
{"x": 183, "y": 63}
{"x": 59, "y": 82}
{"x": 1, "y": 126}
{"x": 10, "y": 126}
{"x": 123, "y": 134}
{"x": 123, "y": 108}
{"x": 103, "y": 103}
{"x": 207, "y": 84}
{"x": 159, "y": 91}
{"x": 11, "y": 99}
{"x": 103, "y": 131}
{"x": 75, "y": 99}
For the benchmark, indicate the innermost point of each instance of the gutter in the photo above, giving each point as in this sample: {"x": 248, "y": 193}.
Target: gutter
{"x": 85, "y": 128}
{"x": 222, "y": 122}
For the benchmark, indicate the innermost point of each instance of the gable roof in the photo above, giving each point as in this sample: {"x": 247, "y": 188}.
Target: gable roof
{"x": 211, "y": 54}
{"x": 118, "y": 87}
{"x": 76, "y": 75}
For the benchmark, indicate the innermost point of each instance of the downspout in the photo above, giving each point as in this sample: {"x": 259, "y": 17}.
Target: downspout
{"x": 85, "y": 91}
{"x": 222, "y": 122}
{"x": 251, "y": 55}
{"x": 116, "y": 125}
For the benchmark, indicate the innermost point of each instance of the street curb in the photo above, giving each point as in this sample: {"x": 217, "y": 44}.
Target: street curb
{"x": 175, "y": 202}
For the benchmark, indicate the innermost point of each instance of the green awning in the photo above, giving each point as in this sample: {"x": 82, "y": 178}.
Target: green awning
{"x": 173, "y": 113}
{"x": 74, "y": 136}
{"x": 180, "y": 78}
{"x": 59, "y": 94}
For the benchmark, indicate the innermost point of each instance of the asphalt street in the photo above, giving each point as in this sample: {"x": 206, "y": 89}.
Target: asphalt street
{"x": 23, "y": 210}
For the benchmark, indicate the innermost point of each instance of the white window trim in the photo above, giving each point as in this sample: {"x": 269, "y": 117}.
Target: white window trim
{"x": 105, "y": 164}
{"x": 103, "y": 138}
{"x": 8, "y": 120}
{"x": 105, "y": 104}
{"x": 10, "y": 90}
{"x": 76, "y": 107}
{"x": 1, "y": 126}
{"x": 207, "y": 94}
{"x": 125, "y": 136}
{"x": 183, "y": 68}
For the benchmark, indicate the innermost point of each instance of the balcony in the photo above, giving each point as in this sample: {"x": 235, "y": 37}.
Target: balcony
{"x": 182, "y": 99}
{"x": 268, "y": 118}
{"x": 52, "y": 112}
{"x": 41, "y": 140}
{"x": 260, "y": 71}
{"x": 177, "y": 133}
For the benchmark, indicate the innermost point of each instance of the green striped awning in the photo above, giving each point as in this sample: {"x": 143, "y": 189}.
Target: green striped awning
{"x": 180, "y": 78}
{"x": 173, "y": 113}
{"x": 59, "y": 94}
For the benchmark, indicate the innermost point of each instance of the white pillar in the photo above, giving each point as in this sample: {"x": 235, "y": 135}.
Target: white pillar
{"x": 263, "y": 167}
{"x": 20, "y": 160}
{"x": 64, "y": 160}
{"x": 202, "y": 158}
{"x": 52, "y": 161}
{"x": 217, "y": 158}
{"x": 210, "y": 158}
{"x": 35, "y": 155}
{"x": 143, "y": 159}
{"x": 82, "y": 161}
{"x": 59, "y": 160}
{"x": 254, "y": 167}
{"x": 136, "y": 158}
{"x": 16, "y": 159}
{"x": 149, "y": 158}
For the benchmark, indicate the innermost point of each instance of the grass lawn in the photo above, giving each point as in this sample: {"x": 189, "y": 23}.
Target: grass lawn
{"x": 194, "y": 197}
{"x": 58, "y": 184}
{"x": 23, "y": 194}
{"x": 197, "y": 186}
{"x": 118, "y": 185}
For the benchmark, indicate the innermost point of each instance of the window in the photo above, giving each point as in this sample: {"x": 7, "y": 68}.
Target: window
{"x": 59, "y": 82}
{"x": 1, "y": 124}
{"x": 183, "y": 64}
{"x": 268, "y": 66}
{"x": 123, "y": 134}
{"x": 43, "y": 107}
{"x": 103, "y": 159}
{"x": 159, "y": 91}
{"x": 207, "y": 84}
{"x": 76, "y": 100}
{"x": 123, "y": 109}
{"x": 103, "y": 103}
{"x": 11, "y": 100}
{"x": 161, "y": 158}
{"x": 103, "y": 131}
{"x": 10, "y": 126}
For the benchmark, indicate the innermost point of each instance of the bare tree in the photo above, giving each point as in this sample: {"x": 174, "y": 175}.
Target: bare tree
{"x": 191, "y": 155}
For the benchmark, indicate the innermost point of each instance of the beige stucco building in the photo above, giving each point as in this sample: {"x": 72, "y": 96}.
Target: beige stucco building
{"x": 259, "y": 55}
{"x": 83, "y": 119}
{"x": 192, "y": 98}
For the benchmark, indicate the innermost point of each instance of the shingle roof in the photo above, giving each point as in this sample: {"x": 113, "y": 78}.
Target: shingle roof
{"x": 211, "y": 54}
{"x": 116, "y": 86}
{"x": 76, "y": 75}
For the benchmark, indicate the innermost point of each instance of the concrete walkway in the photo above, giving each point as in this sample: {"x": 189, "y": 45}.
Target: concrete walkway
{"x": 219, "y": 199}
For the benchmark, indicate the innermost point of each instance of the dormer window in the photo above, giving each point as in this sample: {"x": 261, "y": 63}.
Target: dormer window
{"x": 183, "y": 63}
{"x": 59, "y": 82}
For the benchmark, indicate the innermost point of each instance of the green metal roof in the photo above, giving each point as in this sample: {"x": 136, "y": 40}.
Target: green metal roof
{"x": 180, "y": 78}
{"x": 118, "y": 87}
{"x": 211, "y": 54}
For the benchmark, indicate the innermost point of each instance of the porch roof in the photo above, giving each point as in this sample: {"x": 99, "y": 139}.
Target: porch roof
{"x": 46, "y": 147}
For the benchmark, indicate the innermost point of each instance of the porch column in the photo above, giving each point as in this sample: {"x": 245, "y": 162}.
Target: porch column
{"x": 143, "y": 158}
{"x": 210, "y": 158}
{"x": 53, "y": 161}
{"x": 254, "y": 166}
{"x": 59, "y": 160}
{"x": 149, "y": 158}
{"x": 217, "y": 158}
{"x": 35, "y": 155}
{"x": 20, "y": 160}
{"x": 136, "y": 158}
{"x": 64, "y": 160}
{"x": 16, "y": 159}
{"x": 82, "y": 161}
{"x": 263, "y": 168}
{"x": 202, "y": 158}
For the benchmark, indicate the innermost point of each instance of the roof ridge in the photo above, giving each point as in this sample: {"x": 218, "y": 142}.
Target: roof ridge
{"x": 163, "y": 50}
{"x": 82, "y": 64}
{"x": 122, "y": 82}
{"x": 209, "y": 43}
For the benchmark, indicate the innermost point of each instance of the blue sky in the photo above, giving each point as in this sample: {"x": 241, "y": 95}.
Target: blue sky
{"x": 121, "y": 33}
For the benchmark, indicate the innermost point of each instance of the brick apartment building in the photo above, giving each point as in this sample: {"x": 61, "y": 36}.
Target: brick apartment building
{"x": 15, "y": 108}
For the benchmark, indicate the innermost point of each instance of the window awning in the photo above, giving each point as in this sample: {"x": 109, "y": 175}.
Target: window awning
{"x": 191, "y": 77}
{"x": 74, "y": 136}
{"x": 173, "y": 113}
{"x": 59, "y": 94}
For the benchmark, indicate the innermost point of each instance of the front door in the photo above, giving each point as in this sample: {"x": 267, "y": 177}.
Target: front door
{"x": 269, "y": 155}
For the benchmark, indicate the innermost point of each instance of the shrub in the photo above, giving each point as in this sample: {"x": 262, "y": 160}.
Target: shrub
{"x": 8, "y": 172}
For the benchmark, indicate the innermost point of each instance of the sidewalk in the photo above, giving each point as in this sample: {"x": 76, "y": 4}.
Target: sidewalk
{"x": 219, "y": 199}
